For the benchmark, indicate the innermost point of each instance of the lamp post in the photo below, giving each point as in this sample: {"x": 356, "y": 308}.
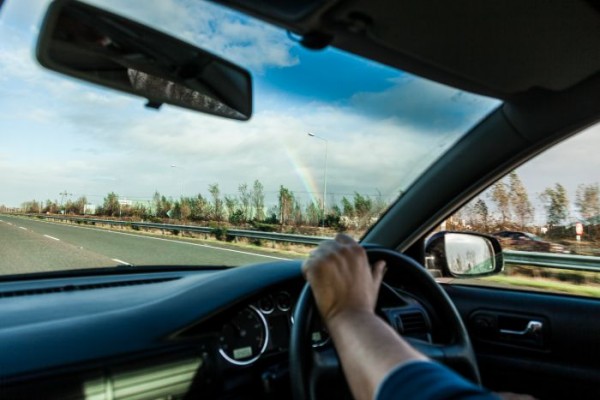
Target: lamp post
{"x": 63, "y": 195}
{"x": 325, "y": 172}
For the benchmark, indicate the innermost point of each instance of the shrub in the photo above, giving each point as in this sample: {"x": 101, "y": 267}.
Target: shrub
{"x": 220, "y": 232}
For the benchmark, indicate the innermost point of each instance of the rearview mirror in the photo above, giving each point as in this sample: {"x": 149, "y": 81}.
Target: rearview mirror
{"x": 463, "y": 254}
{"x": 95, "y": 45}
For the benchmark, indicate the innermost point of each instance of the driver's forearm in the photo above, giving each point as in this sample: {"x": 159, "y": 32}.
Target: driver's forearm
{"x": 368, "y": 349}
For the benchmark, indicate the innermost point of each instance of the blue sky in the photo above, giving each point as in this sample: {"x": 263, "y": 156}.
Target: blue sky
{"x": 383, "y": 126}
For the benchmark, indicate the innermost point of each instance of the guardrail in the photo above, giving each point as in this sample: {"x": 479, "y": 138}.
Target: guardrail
{"x": 511, "y": 257}
{"x": 552, "y": 260}
{"x": 274, "y": 236}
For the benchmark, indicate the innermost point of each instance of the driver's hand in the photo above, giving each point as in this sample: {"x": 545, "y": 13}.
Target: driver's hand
{"x": 341, "y": 278}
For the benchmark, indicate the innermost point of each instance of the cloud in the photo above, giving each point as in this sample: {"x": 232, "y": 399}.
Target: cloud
{"x": 274, "y": 148}
{"x": 425, "y": 104}
{"x": 251, "y": 43}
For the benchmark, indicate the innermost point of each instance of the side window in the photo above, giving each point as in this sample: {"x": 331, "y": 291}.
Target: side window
{"x": 546, "y": 215}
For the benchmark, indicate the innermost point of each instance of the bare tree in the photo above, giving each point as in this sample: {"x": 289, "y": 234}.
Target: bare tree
{"x": 587, "y": 201}
{"x": 258, "y": 200}
{"x": 286, "y": 204}
{"x": 501, "y": 198}
{"x": 215, "y": 192}
{"x": 246, "y": 201}
{"x": 481, "y": 214}
{"x": 519, "y": 200}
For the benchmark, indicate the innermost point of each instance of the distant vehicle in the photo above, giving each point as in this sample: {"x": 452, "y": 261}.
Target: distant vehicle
{"x": 526, "y": 241}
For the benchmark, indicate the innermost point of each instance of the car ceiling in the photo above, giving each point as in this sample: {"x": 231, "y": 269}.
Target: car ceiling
{"x": 501, "y": 48}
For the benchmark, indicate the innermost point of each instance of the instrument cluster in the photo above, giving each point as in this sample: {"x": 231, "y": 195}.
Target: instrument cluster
{"x": 264, "y": 326}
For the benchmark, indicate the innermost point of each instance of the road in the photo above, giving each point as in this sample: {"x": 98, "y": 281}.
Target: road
{"x": 28, "y": 245}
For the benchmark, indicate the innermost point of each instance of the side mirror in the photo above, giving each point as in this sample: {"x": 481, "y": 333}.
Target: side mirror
{"x": 97, "y": 46}
{"x": 463, "y": 254}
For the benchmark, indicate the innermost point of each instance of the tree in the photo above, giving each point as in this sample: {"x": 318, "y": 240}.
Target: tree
{"x": 185, "y": 208}
{"x": 347, "y": 207}
{"x": 297, "y": 215}
{"x": 200, "y": 208}
{"x": 258, "y": 200}
{"x": 50, "y": 207}
{"x": 32, "y": 206}
{"x": 217, "y": 202}
{"x": 286, "y": 204}
{"x": 556, "y": 204}
{"x": 139, "y": 211}
{"x": 111, "y": 205}
{"x": 231, "y": 204}
{"x": 519, "y": 200}
{"x": 362, "y": 205}
{"x": 245, "y": 197}
{"x": 157, "y": 204}
{"x": 313, "y": 212}
{"x": 77, "y": 206}
{"x": 499, "y": 195}
{"x": 481, "y": 213}
{"x": 587, "y": 201}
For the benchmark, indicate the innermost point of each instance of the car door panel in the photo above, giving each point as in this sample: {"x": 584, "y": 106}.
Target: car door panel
{"x": 558, "y": 358}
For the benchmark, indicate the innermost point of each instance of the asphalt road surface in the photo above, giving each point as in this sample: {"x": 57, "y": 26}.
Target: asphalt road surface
{"x": 28, "y": 245}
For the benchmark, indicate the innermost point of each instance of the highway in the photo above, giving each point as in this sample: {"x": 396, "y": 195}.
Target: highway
{"x": 28, "y": 245}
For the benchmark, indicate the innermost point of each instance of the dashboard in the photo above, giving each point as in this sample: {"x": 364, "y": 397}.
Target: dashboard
{"x": 223, "y": 333}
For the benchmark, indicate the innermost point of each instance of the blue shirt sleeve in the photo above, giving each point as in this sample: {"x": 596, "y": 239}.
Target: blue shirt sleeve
{"x": 425, "y": 380}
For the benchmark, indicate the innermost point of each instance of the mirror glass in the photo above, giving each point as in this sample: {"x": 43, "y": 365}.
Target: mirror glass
{"x": 468, "y": 254}
{"x": 97, "y": 46}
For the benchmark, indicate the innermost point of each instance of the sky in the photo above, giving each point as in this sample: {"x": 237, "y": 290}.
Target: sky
{"x": 377, "y": 128}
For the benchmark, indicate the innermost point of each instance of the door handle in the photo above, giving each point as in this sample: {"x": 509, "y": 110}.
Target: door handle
{"x": 532, "y": 328}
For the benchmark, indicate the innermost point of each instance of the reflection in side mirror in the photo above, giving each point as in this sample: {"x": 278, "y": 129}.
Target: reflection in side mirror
{"x": 88, "y": 43}
{"x": 462, "y": 254}
{"x": 469, "y": 255}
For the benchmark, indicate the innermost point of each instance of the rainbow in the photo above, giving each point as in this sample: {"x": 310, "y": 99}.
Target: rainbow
{"x": 304, "y": 174}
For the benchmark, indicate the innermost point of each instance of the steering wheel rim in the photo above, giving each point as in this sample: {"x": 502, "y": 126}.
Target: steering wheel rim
{"x": 304, "y": 361}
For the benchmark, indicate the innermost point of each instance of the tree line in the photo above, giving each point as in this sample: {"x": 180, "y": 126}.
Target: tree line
{"x": 507, "y": 205}
{"x": 247, "y": 206}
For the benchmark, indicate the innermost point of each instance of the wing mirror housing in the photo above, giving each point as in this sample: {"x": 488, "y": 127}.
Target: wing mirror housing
{"x": 88, "y": 43}
{"x": 463, "y": 254}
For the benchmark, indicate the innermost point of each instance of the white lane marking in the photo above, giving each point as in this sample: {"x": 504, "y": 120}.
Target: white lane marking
{"x": 9, "y": 223}
{"x": 206, "y": 246}
{"x": 121, "y": 262}
{"x": 23, "y": 228}
{"x": 51, "y": 237}
{"x": 173, "y": 241}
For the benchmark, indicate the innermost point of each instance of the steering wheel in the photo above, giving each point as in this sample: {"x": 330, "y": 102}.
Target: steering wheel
{"x": 308, "y": 368}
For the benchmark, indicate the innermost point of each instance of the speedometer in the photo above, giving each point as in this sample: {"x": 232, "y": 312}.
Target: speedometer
{"x": 244, "y": 337}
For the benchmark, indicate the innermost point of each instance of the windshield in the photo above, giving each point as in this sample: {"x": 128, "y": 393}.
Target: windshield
{"x": 334, "y": 139}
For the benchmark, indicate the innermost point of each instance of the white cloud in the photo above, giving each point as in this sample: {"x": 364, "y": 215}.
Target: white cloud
{"x": 253, "y": 44}
{"x": 426, "y": 105}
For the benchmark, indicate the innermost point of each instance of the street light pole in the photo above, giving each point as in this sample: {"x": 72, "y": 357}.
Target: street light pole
{"x": 325, "y": 172}
{"x": 62, "y": 200}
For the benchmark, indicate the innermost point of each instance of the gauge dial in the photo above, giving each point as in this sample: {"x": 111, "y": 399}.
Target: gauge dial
{"x": 266, "y": 305}
{"x": 244, "y": 337}
{"x": 283, "y": 301}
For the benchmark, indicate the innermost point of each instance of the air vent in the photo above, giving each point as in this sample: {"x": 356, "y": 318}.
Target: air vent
{"x": 87, "y": 286}
{"x": 412, "y": 323}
